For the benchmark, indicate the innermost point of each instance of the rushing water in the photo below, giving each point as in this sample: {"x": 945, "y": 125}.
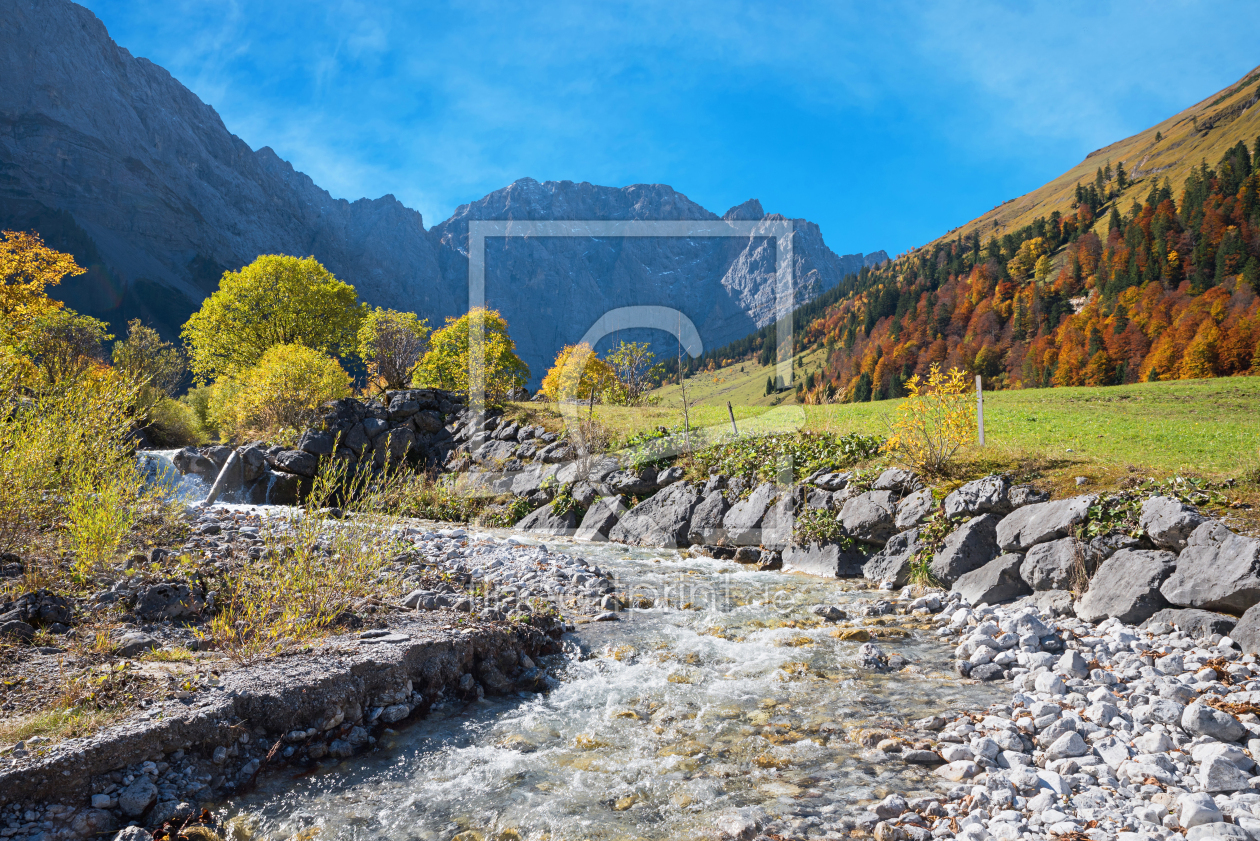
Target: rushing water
{"x": 159, "y": 469}
{"x": 659, "y": 723}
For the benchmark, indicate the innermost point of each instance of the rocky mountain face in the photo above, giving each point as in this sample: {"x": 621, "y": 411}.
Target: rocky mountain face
{"x": 112, "y": 159}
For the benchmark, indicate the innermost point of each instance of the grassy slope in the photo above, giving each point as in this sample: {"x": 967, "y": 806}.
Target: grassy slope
{"x": 1180, "y": 149}
{"x": 1201, "y": 427}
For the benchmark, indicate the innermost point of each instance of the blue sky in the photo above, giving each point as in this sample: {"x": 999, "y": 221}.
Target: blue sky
{"x": 885, "y": 123}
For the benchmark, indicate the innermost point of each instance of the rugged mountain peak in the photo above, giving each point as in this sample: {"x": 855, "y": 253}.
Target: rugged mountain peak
{"x": 749, "y": 211}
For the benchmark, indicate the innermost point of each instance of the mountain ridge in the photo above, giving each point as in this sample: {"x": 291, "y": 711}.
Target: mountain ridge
{"x": 112, "y": 159}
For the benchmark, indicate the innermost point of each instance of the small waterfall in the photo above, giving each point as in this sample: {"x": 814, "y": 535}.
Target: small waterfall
{"x": 159, "y": 469}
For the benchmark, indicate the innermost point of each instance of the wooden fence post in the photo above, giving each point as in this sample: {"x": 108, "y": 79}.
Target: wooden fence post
{"x": 980, "y": 408}
{"x": 734, "y": 428}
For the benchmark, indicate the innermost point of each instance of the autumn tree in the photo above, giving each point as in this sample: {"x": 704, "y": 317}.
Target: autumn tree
{"x": 391, "y": 343}
{"x": 275, "y": 300}
{"x": 1025, "y": 259}
{"x": 578, "y": 374}
{"x": 27, "y": 269}
{"x": 452, "y": 361}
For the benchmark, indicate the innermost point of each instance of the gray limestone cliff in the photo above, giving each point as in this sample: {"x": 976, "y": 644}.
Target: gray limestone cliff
{"x": 111, "y": 158}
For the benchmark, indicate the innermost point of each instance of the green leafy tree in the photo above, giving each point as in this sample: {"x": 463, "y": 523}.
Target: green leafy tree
{"x": 156, "y": 366}
{"x": 391, "y": 343}
{"x": 64, "y": 344}
{"x": 631, "y": 361}
{"x": 450, "y": 361}
{"x": 275, "y": 300}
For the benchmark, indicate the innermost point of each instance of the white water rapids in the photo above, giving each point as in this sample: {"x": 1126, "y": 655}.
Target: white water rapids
{"x": 731, "y": 694}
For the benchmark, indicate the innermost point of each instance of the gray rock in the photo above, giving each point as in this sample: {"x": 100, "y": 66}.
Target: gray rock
{"x": 818, "y": 499}
{"x": 1042, "y": 522}
{"x": 168, "y": 601}
{"x": 1196, "y": 623}
{"x": 1218, "y": 570}
{"x": 1069, "y": 745}
{"x": 828, "y": 560}
{"x": 897, "y": 479}
{"x": 1127, "y": 587}
{"x": 1247, "y": 632}
{"x": 298, "y": 462}
{"x": 632, "y": 482}
{"x": 968, "y": 547}
{"x": 777, "y": 526}
{"x": 983, "y": 496}
{"x": 743, "y": 521}
{"x": 1072, "y": 665}
{"x": 316, "y": 443}
{"x": 544, "y": 520}
{"x": 996, "y": 582}
{"x": 1021, "y": 495}
{"x": 135, "y": 643}
{"x": 135, "y": 799}
{"x": 1201, "y": 720}
{"x": 914, "y": 509}
{"x": 706, "y": 519}
{"x": 1219, "y": 774}
{"x": 600, "y": 518}
{"x": 93, "y": 822}
{"x": 1168, "y": 522}
{"x": 1053, "y": 602}
{"x": 1048, "y": 566}
{"x": 870, "y": 517}
{"x": 669, "y": 476}
{"x": 661, "y": 520}
{"x": 16, "y": 629}
{"x": 892, "y": 563}
{"x": 831, "y": 481}
{"x": 1104, "y": 546}
{"x": 556, "y": 452}
{"x": 1218, "y": 832}
{"x": 132, "y": 833}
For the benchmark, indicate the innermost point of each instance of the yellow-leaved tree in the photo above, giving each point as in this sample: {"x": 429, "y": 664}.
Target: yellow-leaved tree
{"x": 1025, "y": 259}
{"x": 934, "y": 422}
{"x": 451, "y": 362}
{"x": 27, "y": 269}
{"x": 283, "y": 392}
{"x": 578, "y": 374}
{"x": 275, "y": 300}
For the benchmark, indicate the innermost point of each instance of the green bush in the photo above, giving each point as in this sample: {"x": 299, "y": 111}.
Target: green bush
{"x": 67, "y": 471}
{"x": 173, "y": 423}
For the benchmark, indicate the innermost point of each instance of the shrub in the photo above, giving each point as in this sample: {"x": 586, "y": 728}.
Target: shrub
{"x": 934, "y": 422}
{"x": 66, "y": 463}
{"x": 283, "y": 391}
{"x": 390, "y": 344}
